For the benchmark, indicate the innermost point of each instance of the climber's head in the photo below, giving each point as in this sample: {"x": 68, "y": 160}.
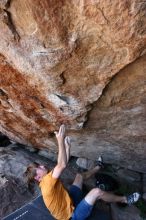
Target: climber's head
{"x": 35, "y": 172}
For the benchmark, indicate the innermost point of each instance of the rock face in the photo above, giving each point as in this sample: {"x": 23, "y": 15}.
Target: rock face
{"x": 60, "y": 63}
{"x": 117, "y": 123}
{"x": 13, "y": 195}
{"x": 131, "y": 213}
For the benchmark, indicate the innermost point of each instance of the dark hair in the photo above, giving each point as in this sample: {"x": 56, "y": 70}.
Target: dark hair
{"x": 106, "y": 182}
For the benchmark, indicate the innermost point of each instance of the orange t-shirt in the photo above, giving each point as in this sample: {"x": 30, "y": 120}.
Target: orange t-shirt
{"x": 56, "y": 198}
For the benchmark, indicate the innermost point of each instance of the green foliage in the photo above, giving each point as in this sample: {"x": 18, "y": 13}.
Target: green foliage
{"x": 141, "y": 205}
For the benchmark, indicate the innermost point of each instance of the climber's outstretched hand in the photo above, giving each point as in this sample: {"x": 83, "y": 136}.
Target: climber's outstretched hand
{"x": 60, "y": 135}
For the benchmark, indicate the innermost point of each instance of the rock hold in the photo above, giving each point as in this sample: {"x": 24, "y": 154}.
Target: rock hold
{"x": 85, "y": 163}
{"x": 59, "y": 58}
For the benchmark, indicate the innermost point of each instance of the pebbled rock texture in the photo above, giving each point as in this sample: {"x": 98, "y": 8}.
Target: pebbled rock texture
{"x": 60, "y": 63}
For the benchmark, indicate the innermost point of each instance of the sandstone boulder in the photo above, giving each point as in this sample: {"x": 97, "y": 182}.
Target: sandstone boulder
{"x": 60, "y": 63}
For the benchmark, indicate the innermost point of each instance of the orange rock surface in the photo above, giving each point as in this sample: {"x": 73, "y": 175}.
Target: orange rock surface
{"x": 61, "y": 62}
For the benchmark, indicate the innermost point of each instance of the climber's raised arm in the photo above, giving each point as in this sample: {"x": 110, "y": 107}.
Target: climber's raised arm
{"x": 62, "y": 157}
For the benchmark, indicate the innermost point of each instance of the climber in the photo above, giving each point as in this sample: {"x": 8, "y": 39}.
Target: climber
{"x": 65, "y": 205}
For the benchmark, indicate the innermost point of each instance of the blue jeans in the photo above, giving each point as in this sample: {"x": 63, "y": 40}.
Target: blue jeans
{"x": 82, "y": 208}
